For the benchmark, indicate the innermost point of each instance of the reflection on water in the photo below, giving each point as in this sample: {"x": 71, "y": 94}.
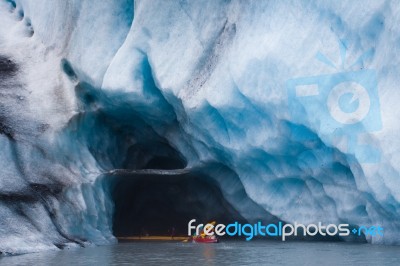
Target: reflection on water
{"x": 225, "y": 253}
{"x": 208, "y": 252}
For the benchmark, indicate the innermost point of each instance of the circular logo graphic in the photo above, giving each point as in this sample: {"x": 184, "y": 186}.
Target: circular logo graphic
{"x": 348, "y": 103}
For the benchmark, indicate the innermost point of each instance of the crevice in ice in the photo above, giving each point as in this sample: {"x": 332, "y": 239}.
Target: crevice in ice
{"x": 68, "y": 70}
{"x": 20, "y": 15}
{"x": 12, "y": 3}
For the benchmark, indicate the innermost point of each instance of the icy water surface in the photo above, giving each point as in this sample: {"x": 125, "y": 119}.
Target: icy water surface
{"x": 225, "y": 253}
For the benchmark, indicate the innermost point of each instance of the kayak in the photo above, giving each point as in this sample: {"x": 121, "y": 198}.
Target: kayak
{"x": 197, "y": 239}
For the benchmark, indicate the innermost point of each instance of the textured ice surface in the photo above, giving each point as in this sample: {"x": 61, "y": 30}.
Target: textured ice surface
{"x": 85, "y": 85}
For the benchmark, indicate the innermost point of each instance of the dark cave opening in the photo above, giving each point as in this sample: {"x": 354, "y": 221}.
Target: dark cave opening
{"x": 153, "y": 155}
{"x": 163, "y": 204}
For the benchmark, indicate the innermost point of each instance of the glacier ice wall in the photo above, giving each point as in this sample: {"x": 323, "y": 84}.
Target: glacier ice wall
{"x": 86, "y": 85}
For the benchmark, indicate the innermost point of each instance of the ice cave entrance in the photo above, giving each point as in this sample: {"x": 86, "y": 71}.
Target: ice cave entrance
{"x": 166, "y": 197}
{"x": 162, "y": 203}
